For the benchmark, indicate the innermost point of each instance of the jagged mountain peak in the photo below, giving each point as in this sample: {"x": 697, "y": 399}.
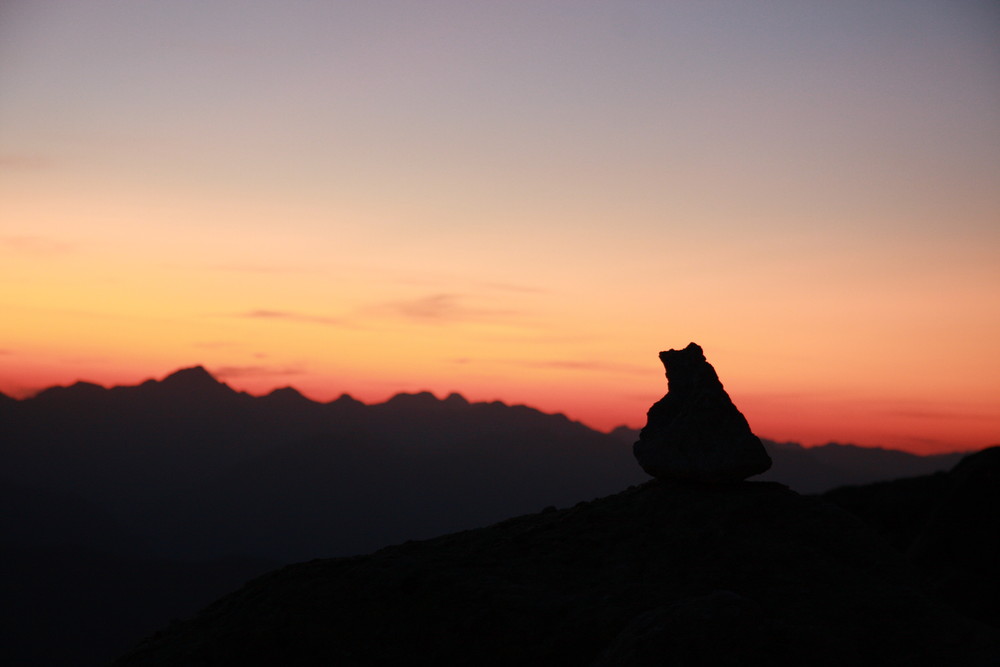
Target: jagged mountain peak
{"x": 78, "y": 390}
{"x": 416, "y": 399}
{"x": 286, "y": 391}
{"x": 287, "y": 394}
{"x": 346, "y": 399}
{"x": 190, "y": 384}
{"x": 456, "y": 399}
{"x": 193, "y": 376}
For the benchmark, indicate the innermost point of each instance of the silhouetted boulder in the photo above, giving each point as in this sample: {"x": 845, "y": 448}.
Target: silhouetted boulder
{"x": 695, "y": 432}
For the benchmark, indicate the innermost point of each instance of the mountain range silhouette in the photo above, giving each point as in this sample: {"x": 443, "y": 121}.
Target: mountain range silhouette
{"x": 191, "y": 487}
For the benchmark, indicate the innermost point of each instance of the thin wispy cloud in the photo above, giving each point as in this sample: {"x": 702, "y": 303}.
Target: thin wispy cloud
{"x": 939, "y": 414}
{"x": 35, "y": 245}
{"x": 561, "y": 364}
{"x": 289, "y": 316}
{"x": 932, "y": 410}
{"x": 452, "y": 282}
{"x": 229, "y": 372}
{"x": 443, "y": 308}
{"x": 216, "y": 345}
{"x": 587, "y": 366}
{"x": 509, "y": 287}
{"x": 257, "y": 268}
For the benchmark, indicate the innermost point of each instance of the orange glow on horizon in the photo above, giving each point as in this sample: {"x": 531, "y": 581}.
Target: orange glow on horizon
{"x": 313, "y": 195}
{"x": 806, "y": 420}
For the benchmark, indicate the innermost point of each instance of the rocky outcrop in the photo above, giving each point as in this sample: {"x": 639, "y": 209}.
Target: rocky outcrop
{"x": 695, "y": 433}
{"x": 662, "y": 574}
{"x": 946, "y": 524}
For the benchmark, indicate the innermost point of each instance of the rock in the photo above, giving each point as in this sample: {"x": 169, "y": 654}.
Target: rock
{"x": 660, "y": 574}
{"x": 708, "y": 629}
{"x": 695, "y": 433}
{"x": 946, "y": 523}
{"x": 960, "y": 542}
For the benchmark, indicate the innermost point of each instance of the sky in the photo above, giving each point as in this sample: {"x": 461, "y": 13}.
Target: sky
{"x": 517, "y": 201}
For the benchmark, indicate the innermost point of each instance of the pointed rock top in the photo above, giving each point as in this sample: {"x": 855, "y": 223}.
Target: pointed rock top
{"x": 693, "y": 350}
{"x": 688, "y": 369}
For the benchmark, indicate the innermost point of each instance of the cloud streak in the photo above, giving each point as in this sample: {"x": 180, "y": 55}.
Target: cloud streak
{"x": 257, "y": 268}
{"x": 216, "y": 345}
{"x": 443, "y": 308}
{"x": 228, "y": 372}
{"x": 508, "y": 287}
{"x": 35, "y": 245}
{"x": 289, "y": 316}
{"x": 938, "y": 414}
{"x": 586, "y": 366}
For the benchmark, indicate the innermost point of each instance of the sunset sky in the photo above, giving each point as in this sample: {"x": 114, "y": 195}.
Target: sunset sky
{"x": 522, "y": 201}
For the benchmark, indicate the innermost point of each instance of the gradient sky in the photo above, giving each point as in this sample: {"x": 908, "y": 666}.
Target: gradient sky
{"x": 522, "y": 201}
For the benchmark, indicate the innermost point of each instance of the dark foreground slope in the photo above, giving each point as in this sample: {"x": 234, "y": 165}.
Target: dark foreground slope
{"x": 946, "y": 524}
{"x": 69, "y": 607}
{"x": 664, "y": 573}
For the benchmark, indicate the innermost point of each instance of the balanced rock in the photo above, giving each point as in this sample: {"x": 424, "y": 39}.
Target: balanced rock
{"x": 695, "y": 432}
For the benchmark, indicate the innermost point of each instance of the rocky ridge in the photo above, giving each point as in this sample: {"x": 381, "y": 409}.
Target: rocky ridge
{"x": 695, "y": 568}
{"x": 661, "y": 574}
